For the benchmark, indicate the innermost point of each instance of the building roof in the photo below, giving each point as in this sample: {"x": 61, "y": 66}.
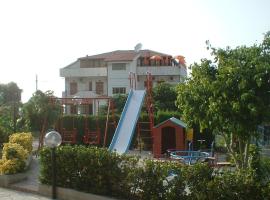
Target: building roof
{"x": 124, "y": 55}
{"x": 173, "y": 120}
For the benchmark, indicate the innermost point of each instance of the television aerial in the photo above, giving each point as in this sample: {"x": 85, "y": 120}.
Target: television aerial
{"x": 138, "y": 47}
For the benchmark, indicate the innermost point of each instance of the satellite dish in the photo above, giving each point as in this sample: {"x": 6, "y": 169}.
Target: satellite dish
{"x": 138, "y": 47}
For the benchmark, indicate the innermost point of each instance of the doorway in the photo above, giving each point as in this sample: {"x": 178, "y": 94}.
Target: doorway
{"x": 168, "y": 139}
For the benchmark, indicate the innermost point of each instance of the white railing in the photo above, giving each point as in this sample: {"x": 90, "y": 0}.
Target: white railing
{"x": 160, "y": 70}
{"x": 83, "y": 72}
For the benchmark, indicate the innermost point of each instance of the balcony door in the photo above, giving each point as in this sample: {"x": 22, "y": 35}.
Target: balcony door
{"x": 73, "y": 88}
{"x": 99, "y": 87}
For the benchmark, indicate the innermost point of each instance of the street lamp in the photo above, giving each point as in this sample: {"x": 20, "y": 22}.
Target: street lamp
{"x": 52, "y": 140}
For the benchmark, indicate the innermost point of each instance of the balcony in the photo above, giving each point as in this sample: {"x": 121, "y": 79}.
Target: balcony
{"x": 83, "y": 72}
{"x": 161, "y": 70}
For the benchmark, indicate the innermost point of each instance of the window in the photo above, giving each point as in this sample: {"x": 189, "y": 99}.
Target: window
{"x": 160, "y": 81}
{"x": 85, "y": 109}
{"x": 102, "y": 63}
{"x": 99, "y": 87}
{"x": 73, "y": 109}
{"x": 140, "y": 62}
{"x": 91, "y": 63}
{"x": 119, "y": 66}
{"x": 119, "y": 90}
{"x": 90, "y": 86}
{"x": 97, "y": 63}
{"x": 73, "y": 88}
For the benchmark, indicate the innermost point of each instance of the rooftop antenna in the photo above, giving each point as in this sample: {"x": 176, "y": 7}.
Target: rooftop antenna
{"x": 138, "y": 47}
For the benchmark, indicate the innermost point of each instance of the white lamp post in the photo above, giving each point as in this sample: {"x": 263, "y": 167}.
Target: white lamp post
{"x": 52, "y": 140}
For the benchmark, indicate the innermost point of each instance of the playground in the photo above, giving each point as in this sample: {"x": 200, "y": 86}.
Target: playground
{"x": 109, "y": 155}
{"x": 169, "y": 139}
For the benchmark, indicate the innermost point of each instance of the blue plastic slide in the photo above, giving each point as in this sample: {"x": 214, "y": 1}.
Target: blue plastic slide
{"x": 126, "y": 125}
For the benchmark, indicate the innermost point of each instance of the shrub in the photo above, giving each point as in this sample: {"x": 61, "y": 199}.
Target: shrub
{"x": 13, "y": 158}
{"x": 12, "y": 166}
{"x": 88, "y": 169}
{"x": 3, "y": 136}
{"x": 99, "y": 171}
{"x": 160, "y": 180}
{"x": 96, "y": 170}
{"x": 196, "y": 177}
{"x": 264, "y": 170}
{"x": 24, "y": 139}
{"x": 15, "y": 153}
{"x": 151, "y": 178}
{"x": 235, "y": 185}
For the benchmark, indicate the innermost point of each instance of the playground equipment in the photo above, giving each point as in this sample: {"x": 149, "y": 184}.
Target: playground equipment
{"x": 169, "y": 134}
{"x": 191, "y": 157}
{"x": 145, "y": 127}
{"x": 91, "y": 134}
{"x": 130, "y": 114}
{"x": 188, "y": 157}
{"x": 69, "y": 136}
{"x": 126, "y": 125}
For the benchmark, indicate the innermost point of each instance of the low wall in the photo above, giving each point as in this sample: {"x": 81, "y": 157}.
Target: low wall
{"x": 6, "y": 180}
{"x": 69, "y": 194}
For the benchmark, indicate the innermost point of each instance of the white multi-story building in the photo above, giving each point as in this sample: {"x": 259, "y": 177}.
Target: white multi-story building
{"x": 108, "y": 73}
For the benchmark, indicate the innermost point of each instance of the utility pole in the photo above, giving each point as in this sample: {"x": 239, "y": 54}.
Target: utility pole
{"x": 36, "y": 82}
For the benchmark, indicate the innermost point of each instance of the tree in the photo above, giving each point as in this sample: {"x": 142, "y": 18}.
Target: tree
{"x": 164, "y": 95}
{"x": 230, "y": 95}
{"x": 41, "y": 113}
{"x": 10, "y": 102}
{"x": 119, "y": 101}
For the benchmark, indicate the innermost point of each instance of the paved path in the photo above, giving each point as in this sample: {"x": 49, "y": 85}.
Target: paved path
{"x": 31, "y": 183}
{"x": 6, "y": 194}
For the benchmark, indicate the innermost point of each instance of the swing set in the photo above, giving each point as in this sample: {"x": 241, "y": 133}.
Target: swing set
{"x": 91, "y": 134}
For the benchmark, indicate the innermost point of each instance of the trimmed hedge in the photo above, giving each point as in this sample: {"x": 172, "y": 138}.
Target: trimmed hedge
{"x": 88, "y": 169}
{"x": 96, "y": 170}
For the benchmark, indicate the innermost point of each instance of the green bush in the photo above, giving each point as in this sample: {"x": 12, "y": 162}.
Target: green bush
{"x": 160, "y": 180}
{"x": 96, "y": 170}
{"x": 3, "y": 136}
{"x": 264, "y": 170}
{"x": 88, "y": 169}
{"x": 236, "y": 185}
{"x": 196, "y": 178}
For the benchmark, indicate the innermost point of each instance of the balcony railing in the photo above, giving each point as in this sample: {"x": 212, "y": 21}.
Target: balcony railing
{"x": 83, "y": 72}
{"x": 161, "y": 70}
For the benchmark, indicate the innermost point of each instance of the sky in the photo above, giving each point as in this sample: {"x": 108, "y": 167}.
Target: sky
{"x": 38, "y": 37}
